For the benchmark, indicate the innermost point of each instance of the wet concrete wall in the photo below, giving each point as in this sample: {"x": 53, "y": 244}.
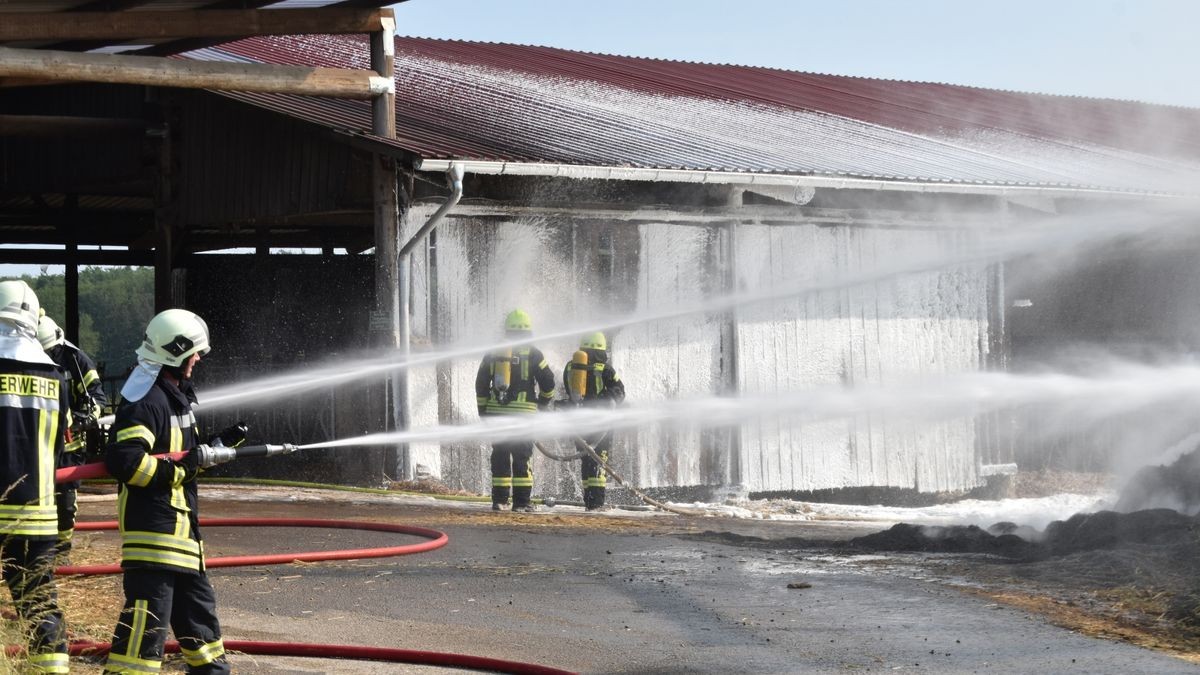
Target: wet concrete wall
{"x": 573, "y": 271}
{"x": 910, "y": 326}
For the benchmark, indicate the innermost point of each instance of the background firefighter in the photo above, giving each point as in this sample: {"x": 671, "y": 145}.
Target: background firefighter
{"x": 34, "y": 414}
{"x": 591, "y": 380}
{"x": 162, "y": 553}
{"x": 514, "y": 381}
{"x": 87, "y": 406}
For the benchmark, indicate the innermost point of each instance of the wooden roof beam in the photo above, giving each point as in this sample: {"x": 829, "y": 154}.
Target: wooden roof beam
{"x": 43, "y": 256}
{"x": 35, "y": 126}
{"x": 211, "y": 23}
{"x": 162, "y": 72}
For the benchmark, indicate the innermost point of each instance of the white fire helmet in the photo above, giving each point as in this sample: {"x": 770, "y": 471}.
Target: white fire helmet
{"x": 19, "y": 304}
{"x": 172, "y": 336}
{"x": 49, "y": 334}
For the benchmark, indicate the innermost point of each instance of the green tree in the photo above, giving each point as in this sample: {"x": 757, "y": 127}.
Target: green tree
{"x": 115, "y": 303}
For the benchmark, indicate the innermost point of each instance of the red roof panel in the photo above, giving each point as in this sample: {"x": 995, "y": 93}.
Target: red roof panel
{"x": 536, "y": 104}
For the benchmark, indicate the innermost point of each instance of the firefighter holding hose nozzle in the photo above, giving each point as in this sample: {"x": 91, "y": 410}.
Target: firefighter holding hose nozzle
{"x": 162, "y": 553}
{"x": 591, "y": 380}
{"x": 514, "y": 381}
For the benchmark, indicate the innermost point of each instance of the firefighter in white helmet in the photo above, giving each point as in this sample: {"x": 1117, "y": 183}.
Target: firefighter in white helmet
{"x": 34, "y": 415}
{"x": 162, "y": 553}
{"x": 87, "y": 406}
{"x": 514, "y": 381}
{"x": 591, "y": 380}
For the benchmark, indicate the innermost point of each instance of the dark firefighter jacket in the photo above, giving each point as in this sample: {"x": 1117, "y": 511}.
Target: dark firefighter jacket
{"x": 84, "y": 385}
{"x": 529, "y": 368}
{"x": 604, "y": 386}
{"x": 156, "y": 503}
{"x": 34, "y": 413}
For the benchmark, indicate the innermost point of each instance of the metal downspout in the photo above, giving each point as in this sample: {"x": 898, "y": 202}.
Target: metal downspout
{"x": 402, "y": 414}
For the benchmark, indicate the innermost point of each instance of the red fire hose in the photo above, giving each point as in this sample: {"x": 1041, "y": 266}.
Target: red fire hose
{"x": 435, "y": 538}
{"x": 318, "y": 651}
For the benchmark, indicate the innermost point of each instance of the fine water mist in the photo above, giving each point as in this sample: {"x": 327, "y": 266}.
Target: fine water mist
{"x": 1051, "y": 239}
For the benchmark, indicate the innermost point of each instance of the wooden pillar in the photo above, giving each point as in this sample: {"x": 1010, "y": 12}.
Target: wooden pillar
{"x": 166, "y": 216}
{"x": 71, "y": 295}
{"x": 389, "y": 319}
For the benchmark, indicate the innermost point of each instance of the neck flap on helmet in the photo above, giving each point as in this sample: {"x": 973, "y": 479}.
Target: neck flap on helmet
{"x": 140, "y": 380}
{"x": 20, "y": 343}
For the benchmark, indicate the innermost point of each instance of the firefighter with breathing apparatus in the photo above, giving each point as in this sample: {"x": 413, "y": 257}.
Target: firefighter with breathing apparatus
{"x": 514, "y": 381}
{"x": 34, "y": 415}
{"x": 87, "y": 406}
{"x": 162, "y": 553}
{"x": 592, "y": 381}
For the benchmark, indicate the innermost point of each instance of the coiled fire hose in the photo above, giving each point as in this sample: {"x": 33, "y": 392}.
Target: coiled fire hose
{"x": 391, "y": 655}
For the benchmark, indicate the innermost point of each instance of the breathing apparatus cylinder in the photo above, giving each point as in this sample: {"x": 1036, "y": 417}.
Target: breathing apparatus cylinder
{"x": 502, "y": 375}
{"x": 577, "y": 387}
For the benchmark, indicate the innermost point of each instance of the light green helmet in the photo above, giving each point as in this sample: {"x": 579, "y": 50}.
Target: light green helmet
{"x": 49, "y": 334}
{"x": 19, "y": 304}
{"x": 172, "y": 336}
{"x": 594, "y": 341}
{"x": 518, "y": 320}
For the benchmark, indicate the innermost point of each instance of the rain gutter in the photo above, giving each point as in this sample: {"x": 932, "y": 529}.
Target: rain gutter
{"x": 400, "y": 392}
{"x": 782, "y": 179}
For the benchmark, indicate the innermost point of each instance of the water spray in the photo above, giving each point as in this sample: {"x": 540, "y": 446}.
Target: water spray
{"x": 1050, "y": 236}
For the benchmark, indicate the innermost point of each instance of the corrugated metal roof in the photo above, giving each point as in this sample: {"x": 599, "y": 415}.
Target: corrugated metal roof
{"x": 487, "y": 101}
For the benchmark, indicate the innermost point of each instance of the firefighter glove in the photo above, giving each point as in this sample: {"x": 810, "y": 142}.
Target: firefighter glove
{"x": 190, "y": 465}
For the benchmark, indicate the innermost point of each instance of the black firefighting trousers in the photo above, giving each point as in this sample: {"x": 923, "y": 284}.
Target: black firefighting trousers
{"x": 154, "y": 598}
{"x": 65, "y": 500}
{"x": 512, "y": 468}
{"x": 595, "y": 480}
{"x": 29, "y": 573}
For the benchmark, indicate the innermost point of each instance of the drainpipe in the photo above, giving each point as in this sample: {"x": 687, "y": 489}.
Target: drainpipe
{"x": 402, "y": 413}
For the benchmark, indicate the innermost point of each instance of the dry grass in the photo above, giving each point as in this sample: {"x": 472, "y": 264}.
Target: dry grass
{"x": 543, "y": 519}
{"x": 1101, "y": 622}
{"x": 430, "y": 486}
{"x": 90, "y": 604}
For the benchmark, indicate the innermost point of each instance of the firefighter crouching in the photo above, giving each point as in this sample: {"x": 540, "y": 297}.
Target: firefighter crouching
{"x": 162, "y": 553}
{"x": 34, "y": 414}
{"x": 591, "y": 380}
{"x": 514, "y": 381}
{"x": 87, "y": 406}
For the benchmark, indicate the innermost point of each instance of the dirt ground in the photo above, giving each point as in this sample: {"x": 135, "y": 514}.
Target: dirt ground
{"x": 652, "y": 593}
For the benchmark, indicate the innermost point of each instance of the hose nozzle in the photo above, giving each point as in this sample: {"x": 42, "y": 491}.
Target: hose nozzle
{"x": 280, "y": 449}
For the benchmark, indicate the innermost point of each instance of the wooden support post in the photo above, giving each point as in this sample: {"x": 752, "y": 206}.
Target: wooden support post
{"x": 391, "y": 308}
{"x": 383, "y": 62}
{"x": 161, "y": 72}
{"x": 165, "y": 217}
{"x": 71, "y": 294}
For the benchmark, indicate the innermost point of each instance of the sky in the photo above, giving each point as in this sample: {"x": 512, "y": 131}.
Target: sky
{"x": 1145, "y": 50}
